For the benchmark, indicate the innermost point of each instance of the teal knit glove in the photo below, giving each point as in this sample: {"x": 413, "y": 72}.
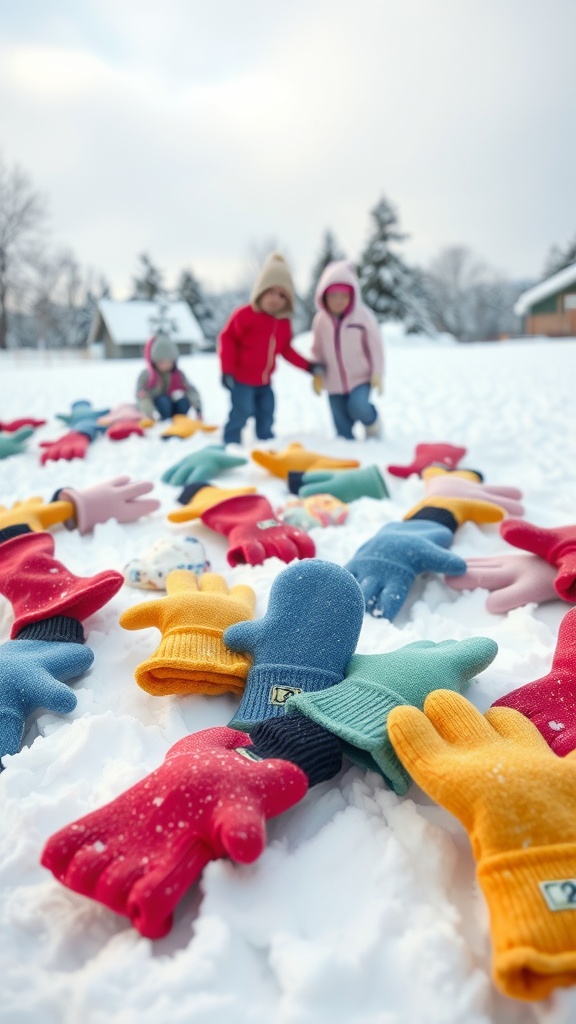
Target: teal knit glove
{"x": 347, "y": 485}
{"x": 15, "y": 443}
{"x": 202, "y": 466}
{"x": 356, "y": 710}
{"x": 80, "y": 411}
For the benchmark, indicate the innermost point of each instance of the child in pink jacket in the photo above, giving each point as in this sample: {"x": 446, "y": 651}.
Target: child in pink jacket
{"x": 346, "y": 340}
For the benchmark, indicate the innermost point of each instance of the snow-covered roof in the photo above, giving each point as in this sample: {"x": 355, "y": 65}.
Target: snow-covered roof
{"x": 550, "y": 286}
{"x": 131, "y": 323}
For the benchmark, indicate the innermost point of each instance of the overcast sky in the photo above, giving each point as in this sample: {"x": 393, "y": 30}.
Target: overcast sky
{"x": 192, "y": 130}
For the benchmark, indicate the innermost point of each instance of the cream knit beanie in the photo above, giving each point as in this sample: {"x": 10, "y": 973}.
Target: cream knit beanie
{"x": 274, "y": 274}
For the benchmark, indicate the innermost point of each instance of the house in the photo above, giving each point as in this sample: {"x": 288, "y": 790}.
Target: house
{"x": 549, "y": 308}
{"x": 123, "y": 328}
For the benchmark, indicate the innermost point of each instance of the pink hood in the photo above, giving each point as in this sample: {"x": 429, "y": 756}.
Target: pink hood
{"x": 337, "y": 272}
{"x": 176, "y": 379}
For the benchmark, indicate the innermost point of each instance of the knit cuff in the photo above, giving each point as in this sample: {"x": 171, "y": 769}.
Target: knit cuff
{"x": 434, "y": 514}
{"x": 531, "y": 896}
{"x": 313, "y": 749}
{"x": 14, "y": 531}
{"x": 295, "y": 482}
{"x": 268, "y": 687}
{"x": 190, "y": 490}
{"x": 57, "y": 629}
{"x": 357, "y": 712}
{"x": 193, "y": 661}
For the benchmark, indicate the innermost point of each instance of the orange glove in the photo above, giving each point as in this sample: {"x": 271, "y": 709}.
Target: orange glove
{"x": 296, "y": 459}
{"x": 36, "y": 513}
{"x": 184, "y": 426}
{"x": 202, "y": 497}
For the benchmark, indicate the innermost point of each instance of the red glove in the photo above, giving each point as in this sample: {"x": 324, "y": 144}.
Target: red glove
{"x": 557, "y": 546}
{"x": 26, "y": 421}
{"x": 428, "y": 454}
{"x": 72, "y": 446}
{"x": 140, "y": 853}
{"x": 123, "y": 428}
{"x": 254, "y": 533}
{"x": 550, "y": 702}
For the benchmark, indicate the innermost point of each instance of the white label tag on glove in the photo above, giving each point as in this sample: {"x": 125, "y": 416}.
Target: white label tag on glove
{"x": 560, "y": 895}
{"x": 267, "y": 524}
{"x": 280, "y": 694}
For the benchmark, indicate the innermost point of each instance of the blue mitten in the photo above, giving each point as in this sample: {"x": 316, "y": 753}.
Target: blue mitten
{"x": 14, "y": 443}
{"x": 80, "y": 411}
{"x": 201, "y": 466}
{"x": 32, "y": 675}
{"x": 387, "y": 564}
{"x": 303, "y": 643}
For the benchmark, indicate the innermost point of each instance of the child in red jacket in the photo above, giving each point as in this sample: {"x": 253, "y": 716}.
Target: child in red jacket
{"x": 248, "y": 346}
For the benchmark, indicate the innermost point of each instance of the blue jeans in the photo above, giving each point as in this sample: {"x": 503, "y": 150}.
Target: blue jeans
{"x": 250, "y": 401}
{"x": 347, "y": 409}
{"x": 167, "y": 407}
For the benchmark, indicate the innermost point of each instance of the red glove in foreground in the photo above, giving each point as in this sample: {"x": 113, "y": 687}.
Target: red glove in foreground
{"x": 140, "y": 853}
{"x": 26, "y": 421}
{"x": 550, "y": 702}
{"x": 72, "y": 445}
{"x": 556, "y": 545}
{"x": 428, "y": 454}
{"x": 254, "y": 533}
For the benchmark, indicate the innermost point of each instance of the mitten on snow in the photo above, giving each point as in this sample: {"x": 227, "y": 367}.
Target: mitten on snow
{"x": 514, "y": 580}
{"x": 72, "y": 445}
{"x": 515, "y": 798}
{"x": 119, "y": 499}
{"x": 254, "y": 533}
{"x": 426, "y": 454}
{"x": 197, "y": 498}
{"x": 149, "y": 571}
{"x": 556, "y": 545}
{"x": 347, "y": 485}
{"x": 79, "y": 412}
{"x": 202, "y": 466}
{"x": 14, "y": 443}
{"x": 297, "y": 459}
{"x": 140, "y": 853}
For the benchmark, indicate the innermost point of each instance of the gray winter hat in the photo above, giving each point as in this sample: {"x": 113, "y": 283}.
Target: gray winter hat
{"x": 164, "y": 348}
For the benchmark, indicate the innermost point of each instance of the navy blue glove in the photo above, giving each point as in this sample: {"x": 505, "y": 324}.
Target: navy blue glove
{"x": 387, "y": 564}
{"x": 201, "y": 466}
{"x": 303, "y": 643}
{"x": 32, "y": 675}
{"x": 80, "y": 411}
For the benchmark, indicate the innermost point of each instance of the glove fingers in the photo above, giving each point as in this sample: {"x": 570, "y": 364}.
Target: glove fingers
{"x": 392, "y": 596}
{"x": 212, "y": 583}
{"x": 370, "y": 587}
{"x": 420, "y": 748}
{"x": 504, "y": 492}
{"x": 244, "y": 595}
{"x": 285, "y": 549}
{"x": 505, "y": 598}
{"x": 183, "y": 515}
{"x": 512, "y": 725}
{"x": 456, "y": 720}
{"x": 154, "y": 896}
{"x": 82, "y": 870}
{"x": 241, "y": 832}
{"x": 250, "y": 552}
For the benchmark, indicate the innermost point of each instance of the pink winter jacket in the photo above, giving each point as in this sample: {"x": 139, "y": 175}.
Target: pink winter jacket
{"x": 350, "y": 348}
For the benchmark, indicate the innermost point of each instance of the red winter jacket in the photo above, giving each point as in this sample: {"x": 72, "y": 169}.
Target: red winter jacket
{"x": 250, "y": 342}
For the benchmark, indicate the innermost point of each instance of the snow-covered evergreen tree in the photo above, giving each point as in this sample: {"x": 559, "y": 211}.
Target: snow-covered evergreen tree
{"x": 148, "y": 284}
{"x": 389, "y": 287}
{"x": 329, "y": 251}
{"x": 190, "y": 290}
{"x": 559, "y": 258}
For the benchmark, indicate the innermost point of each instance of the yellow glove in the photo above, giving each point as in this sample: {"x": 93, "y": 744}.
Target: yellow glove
{"x": 295, "y": 459}
{"x": 318, "y": 383}
{"x": 184, "y": 426}
{"x": 36, "y": 513}
{"x": 192, "y": 657}
{"x": 516, "y": 799}
{"x": 376, "y": 382}
{"x": 467, "y": 474}
{"x": 463, "y": 509}
{"x": 206, "y": 498}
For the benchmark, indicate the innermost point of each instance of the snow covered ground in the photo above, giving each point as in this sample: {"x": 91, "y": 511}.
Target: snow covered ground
{"x": 364, "y": 908}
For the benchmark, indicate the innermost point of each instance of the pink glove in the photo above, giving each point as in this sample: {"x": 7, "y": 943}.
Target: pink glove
{"x": 114, "y": 499}
{"x": 123, "y": 428}
{"x": 550, "y": 702}
{"x": 429, "y": 454}
{"x": 515, "y": 580}
{"x": 119, "y": 414}
{"x": 72, "y": 445}
{"x": 449, "y": 485}
{"x": 556, "y": 545}
{"x": 254, "y": 533}
{"x": 140, "y": 853}
{"x": 26, "y": 421}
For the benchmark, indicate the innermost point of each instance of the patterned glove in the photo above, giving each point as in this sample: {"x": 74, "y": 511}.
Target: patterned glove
{"x": 192, "y": 657}
{"x": 14, "y": 443}
{"x": 556, "y": 545}
{"x": 35, "y": 513}
{"x": 345, "y": 485}
{"x": 149, "y": 572}
{"x": 426, "y": 454}
{"x": 387, "y": 564}
{"x": 117, "y": 499}
{"x": 140, "y": 853}
{"x": 198, "y": 498}
{"x": 515, "y": 799}
{"x": 514, "y": 580}
{"x": 253, "y": 532}
{"x": 357, "y": 709}
{"x": 202, "y": 466}
{"x": 32, "y": 676}
{"x": 183, "y": 426}
{"x": 550, "y": 702}
{"x": 305, "y": 640}
{"x": 450, "y": 485}
{"x": 297, "y": 459}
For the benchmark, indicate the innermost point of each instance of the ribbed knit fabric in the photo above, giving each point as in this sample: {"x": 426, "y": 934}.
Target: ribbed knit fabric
{"x": 268, "y": 688}
{"x": 14, "y": 531}
{"x": 436, "y": 515}
{"x": 58, "y": 628}
{"x": 315, "y": 750}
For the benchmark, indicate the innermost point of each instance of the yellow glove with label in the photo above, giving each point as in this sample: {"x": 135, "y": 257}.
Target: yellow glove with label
{"x": 296, "y": 459}
{"x": 192, "y": 657}
{"x": 462, "y": 509}
{"x": 517, "y": 801}
{"x": 184, "y": 426}
{"x": 204, "y": 497}
{"x": 36, "y": 513}
{"x": 376, "y": 382}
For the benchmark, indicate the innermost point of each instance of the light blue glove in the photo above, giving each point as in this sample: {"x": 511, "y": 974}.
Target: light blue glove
{"x": 14, "y": 443}
{"x": 81, "y": 410}
{"x": 202, "y": 466}
{"x": 32, "y": 676}
{"x": 387, "y": 564}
